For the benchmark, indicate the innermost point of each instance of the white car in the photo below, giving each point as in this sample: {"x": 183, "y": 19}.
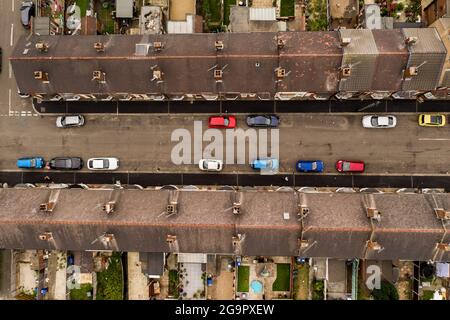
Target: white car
{"x": 70, "y": 121}
{"x": 210, "y": 165}
{"x": 22, "y": 95}
{"x": 374, "y": 121}
{"x": 103, "y": 164}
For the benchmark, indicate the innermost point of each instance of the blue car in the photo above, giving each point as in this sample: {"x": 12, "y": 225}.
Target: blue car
{"x": 309, "y": 166}
{"x": 268, "y": 164}
{"x": 31, "y": 163}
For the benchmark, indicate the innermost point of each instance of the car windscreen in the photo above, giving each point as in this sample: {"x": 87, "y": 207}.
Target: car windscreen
{"x": 436, "y": 119}
{"x": 346, "y": 166}
{"x": 226, "y": 122}
{"x": 63, "y": 163}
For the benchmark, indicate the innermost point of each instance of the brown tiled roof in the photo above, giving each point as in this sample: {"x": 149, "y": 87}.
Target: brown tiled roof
{"x": 312, "y": 62}
{"x": 336, "y": 226}
{"x": 391, "y": 61}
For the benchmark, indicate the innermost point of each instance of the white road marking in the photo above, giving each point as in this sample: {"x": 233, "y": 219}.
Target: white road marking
{"x": 10, "y": 70}
{"x": 434, "y": 139}
{"x": 9, "y": 101}
{"x": 12, "y": 5}
{"x": 12, "y": 34}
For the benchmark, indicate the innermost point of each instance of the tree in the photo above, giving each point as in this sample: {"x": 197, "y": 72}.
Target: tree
{"x": 317, "y": 20}
{"x": 387, "y": 291}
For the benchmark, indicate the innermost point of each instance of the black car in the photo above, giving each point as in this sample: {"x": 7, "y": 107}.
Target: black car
{"x": 263, "y": 121}
{"x": 27, "y": 10}
{"x": 69, "y": 163}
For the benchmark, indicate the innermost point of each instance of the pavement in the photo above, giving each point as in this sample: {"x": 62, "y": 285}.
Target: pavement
{"x": 240, "y": 106}
{"x": 10, "y": 102}
{"x": 137, "y": 281}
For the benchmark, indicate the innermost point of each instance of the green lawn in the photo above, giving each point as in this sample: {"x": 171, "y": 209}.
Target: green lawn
{"x": 427, "y": 295}
{"x": 107, "y": 21}
{"x": 226, "y": 11}
{"x": 82, "y": 293}
{"x": 110, "y": 281}
{"x": 243, "y": 278}
{"x": 83, "y": 4}
{"x": 283, "y": 280}
{"x": 287, "y": 8}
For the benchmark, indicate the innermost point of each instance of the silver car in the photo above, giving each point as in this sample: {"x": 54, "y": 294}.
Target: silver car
{"x": 27, "y": 10}
{"x": 375, "y": 121}
{"x": 70, "y": 121}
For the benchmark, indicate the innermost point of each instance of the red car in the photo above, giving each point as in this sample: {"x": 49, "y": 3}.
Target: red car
{"x": 349, "y": 166}
{"x": 222, "y": 122}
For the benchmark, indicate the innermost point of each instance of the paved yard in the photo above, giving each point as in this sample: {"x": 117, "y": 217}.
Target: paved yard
{"x": 27, "y": 276}
{"x": 222, "y": 288}
{"x": 193, "y": 284}
{"x": 137, "y": 281}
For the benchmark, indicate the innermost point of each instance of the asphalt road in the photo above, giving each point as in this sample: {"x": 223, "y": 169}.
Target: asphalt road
{"x": 143, "y": 143}
{"x": 174, "y": 107}
{"x": 11, "y": 30}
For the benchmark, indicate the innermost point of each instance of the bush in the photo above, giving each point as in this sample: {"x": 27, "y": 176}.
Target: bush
{"x": 173, "y": 283}
{"x": 427, "y": 295}
{"x": 400, "y": 6}
{"x": 110, "y": 281}
{"x": 82, "y": 293}
{"x": 318, "y": 287}
{"x": 386, "y": 292}
{"x": 317, "y": 20}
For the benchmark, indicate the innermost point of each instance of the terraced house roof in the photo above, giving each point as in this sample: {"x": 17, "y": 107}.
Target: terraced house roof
{"x": 279, "y": 223}
{"x": 261, "y": 64}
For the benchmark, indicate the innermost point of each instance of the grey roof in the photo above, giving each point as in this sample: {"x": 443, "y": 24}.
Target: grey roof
{"x": 152, "y": 263}
{"x": 124, "y": 8}
{"x": 428, "y": 53}
{"x": 360, "y": 56}
{"x": 41, "y": 25}
{"x": 85, "y": 260}
{"x": 336, "y": 226}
